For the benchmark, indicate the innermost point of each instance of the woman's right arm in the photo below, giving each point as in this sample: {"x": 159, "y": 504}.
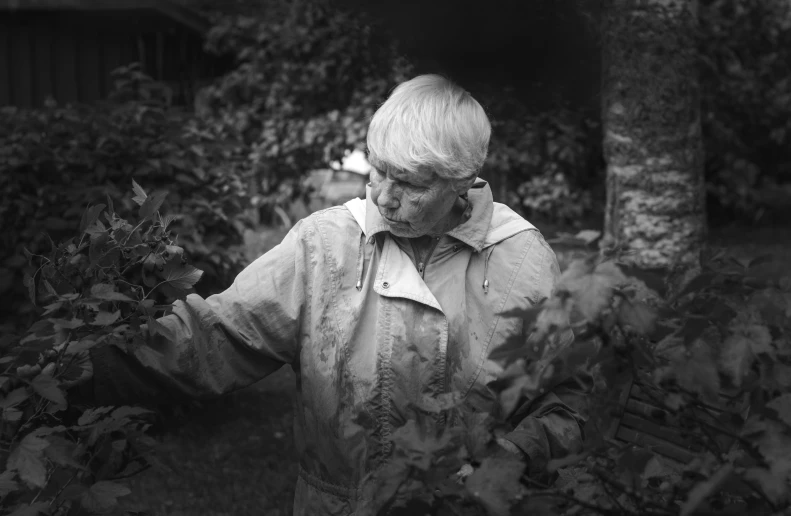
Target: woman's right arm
{"x": 219, "y": 344}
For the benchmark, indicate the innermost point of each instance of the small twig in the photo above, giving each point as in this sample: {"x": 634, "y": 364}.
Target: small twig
{"x": 134, "y": 473}
{"x": 604, "y": 476}
{"x": 136, "y": 263}
{"x": 49, "y": 476}
{"x": 64, "y": 486}
{"x": 133, "y": 231}
{"x": 548, "y": 491}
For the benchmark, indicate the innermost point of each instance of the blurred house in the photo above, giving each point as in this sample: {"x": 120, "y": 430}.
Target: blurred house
{"x": 67, "y": 48}
{"x": 343, "y": 181}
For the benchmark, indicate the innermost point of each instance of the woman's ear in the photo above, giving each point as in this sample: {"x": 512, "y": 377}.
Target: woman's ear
{"x": 463, "y": 185}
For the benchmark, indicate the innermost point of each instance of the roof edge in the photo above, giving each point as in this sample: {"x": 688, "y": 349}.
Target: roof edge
{"x": 184, "y": 15}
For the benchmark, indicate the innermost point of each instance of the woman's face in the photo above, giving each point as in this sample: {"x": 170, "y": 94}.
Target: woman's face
{"x": 412, "y": 204}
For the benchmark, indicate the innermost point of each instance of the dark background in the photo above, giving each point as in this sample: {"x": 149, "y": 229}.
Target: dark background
{"x": 546, "y": 50}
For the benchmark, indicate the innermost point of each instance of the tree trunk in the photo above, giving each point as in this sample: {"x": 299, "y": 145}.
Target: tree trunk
{"x": 652, "y": 132}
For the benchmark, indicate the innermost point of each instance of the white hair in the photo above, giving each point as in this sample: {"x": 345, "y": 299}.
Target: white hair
{"x": 430, "y": 123}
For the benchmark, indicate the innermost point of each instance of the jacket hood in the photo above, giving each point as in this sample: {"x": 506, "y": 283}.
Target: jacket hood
{"x": 489, "y": 222}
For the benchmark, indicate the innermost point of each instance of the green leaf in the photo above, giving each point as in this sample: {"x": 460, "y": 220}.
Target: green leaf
{"x": 637, "y": 315}
{"x": 25, "y": 458}
{"x": 698, "y": 283}
{"x": 106, "y": 318}
{"x": 736, "y": 358}
{"x": 12, "y": 414}
{"x": 152, "y": 204}
{"x": 174, "y": 249}
{"x": 591, "y": 288}
{"x": 30, "y": 283}
{"x": 66, "y": 324}
{"x": 126, "y": 411}
{"x": 440, "y": 403}
{"x": 168, "y": 219}
{"x": 61, "y": 452}
{"x": 774, "y": 486}
{"x": 92, "y": 415}
{"x": 652, "y": 278}
{"x": 495, "y": 483}
{"x": 758, "y": 335}
{"x": 588, "y": 235}
{"x": 110, "y": 206}
{"x": 31, "y": 510}
{"x": 696, "y": 371}
{"x": 72, "y": 492}
{"x": 15, "y": 397}
{"x": 107, "y": 292}
{"x": 140, "y": 194}
{"x": 7, "y": 483}
{"x": 693, "y": 328}
{"x": 157, "y": 328}
{"x": 761, "y": 260}
{"x": 48, "y": 387}
{"x": 698, "y": 494}
{"x": 77, "y": 347}
{"x": 513, "y": 394}
{"x": 182, "y": 277}
{"x": 99, "y": 245}
{"x": 103, "y": 496}
{"x": 655, "y": 468}
{"x": 90, "y": 217}
{"x": 782, "y": 405}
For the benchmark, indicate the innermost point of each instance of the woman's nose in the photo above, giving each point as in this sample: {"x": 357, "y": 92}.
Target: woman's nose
{"x": 384, "y": 197}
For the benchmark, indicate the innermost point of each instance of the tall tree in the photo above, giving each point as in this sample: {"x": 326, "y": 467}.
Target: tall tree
{"x": 652, "y": 131}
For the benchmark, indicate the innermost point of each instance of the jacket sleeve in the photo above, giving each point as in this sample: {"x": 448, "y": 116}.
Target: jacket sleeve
{"x": 551, "y": 426}
{"x": 219, "y": 344}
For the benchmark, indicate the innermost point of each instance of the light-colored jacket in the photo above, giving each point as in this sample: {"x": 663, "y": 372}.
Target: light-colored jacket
{"x": 368, "y": 335}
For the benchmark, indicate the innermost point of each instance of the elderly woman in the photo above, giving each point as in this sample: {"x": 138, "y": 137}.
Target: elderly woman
{"x": 377, "y": 305}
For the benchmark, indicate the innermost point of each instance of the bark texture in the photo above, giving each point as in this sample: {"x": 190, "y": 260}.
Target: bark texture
{"x": 652, "y": 132}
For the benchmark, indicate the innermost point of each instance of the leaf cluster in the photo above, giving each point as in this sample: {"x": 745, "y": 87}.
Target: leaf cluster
{"x": 307, "y": 80}
{"x": 687, "y": 399}
{"x": 54, "y": 158}
{"x": 59, "y": 456}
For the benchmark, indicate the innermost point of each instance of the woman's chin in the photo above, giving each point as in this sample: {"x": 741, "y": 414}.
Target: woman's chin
{"x": 403, "y": 229}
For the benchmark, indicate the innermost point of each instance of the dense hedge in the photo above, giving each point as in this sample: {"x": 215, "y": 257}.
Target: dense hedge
{"x": 711, "y": 357}
{"x": 56, "y": 159}
{"x": 60, "y": 455}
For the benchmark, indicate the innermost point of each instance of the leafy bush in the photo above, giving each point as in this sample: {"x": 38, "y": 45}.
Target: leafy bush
{"x": 709, "y": 358}
{"x": 745, "y": 51}
{"x": 308, "y": 78}
{"x": 94, "y": 290}
{"x": 550, "y": 160}
{"x": 56, "y": 157}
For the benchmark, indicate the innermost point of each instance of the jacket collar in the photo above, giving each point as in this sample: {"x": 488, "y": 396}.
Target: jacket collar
{"x": 471, "y": 232}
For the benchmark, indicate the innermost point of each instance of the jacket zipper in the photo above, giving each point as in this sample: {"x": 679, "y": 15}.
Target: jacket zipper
{"x": 421, "y": 267}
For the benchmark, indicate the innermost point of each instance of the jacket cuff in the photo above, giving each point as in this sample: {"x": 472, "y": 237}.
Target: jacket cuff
{"x": 529, "y": 438}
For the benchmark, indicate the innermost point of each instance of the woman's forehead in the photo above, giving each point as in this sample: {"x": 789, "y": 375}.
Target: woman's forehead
{"x": 423, "y": 174}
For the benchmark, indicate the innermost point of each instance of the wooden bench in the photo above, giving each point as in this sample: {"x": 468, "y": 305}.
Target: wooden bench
{"x": 645, "y": 422}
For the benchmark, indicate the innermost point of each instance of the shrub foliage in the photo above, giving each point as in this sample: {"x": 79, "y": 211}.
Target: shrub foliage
{"x": 709, "y": 357}
{"x": 58, "y": 455}
{"x": 57, "y": 158}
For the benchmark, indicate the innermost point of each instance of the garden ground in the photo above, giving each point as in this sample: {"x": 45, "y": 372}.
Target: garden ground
{"x": 235, "y": 456}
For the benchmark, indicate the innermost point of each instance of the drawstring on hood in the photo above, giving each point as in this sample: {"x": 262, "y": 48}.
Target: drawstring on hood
{"x": 486, "y": 270}
{"x": 360, "y": 262}
{"x": 481, "y": 231}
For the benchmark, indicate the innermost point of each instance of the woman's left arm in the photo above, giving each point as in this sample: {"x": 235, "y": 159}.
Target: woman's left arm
{"x": 551, "y": 426}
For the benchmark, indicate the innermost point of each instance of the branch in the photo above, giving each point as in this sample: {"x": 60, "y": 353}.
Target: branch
{"x": 548, "y": 491}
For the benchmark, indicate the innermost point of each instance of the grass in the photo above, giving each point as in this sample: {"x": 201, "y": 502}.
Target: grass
{"x": 233, "y": 457}
{"x": 236, "y": 456}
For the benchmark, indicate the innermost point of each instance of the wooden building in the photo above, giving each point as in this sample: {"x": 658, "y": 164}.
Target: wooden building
{"x": 67, "y": 48}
